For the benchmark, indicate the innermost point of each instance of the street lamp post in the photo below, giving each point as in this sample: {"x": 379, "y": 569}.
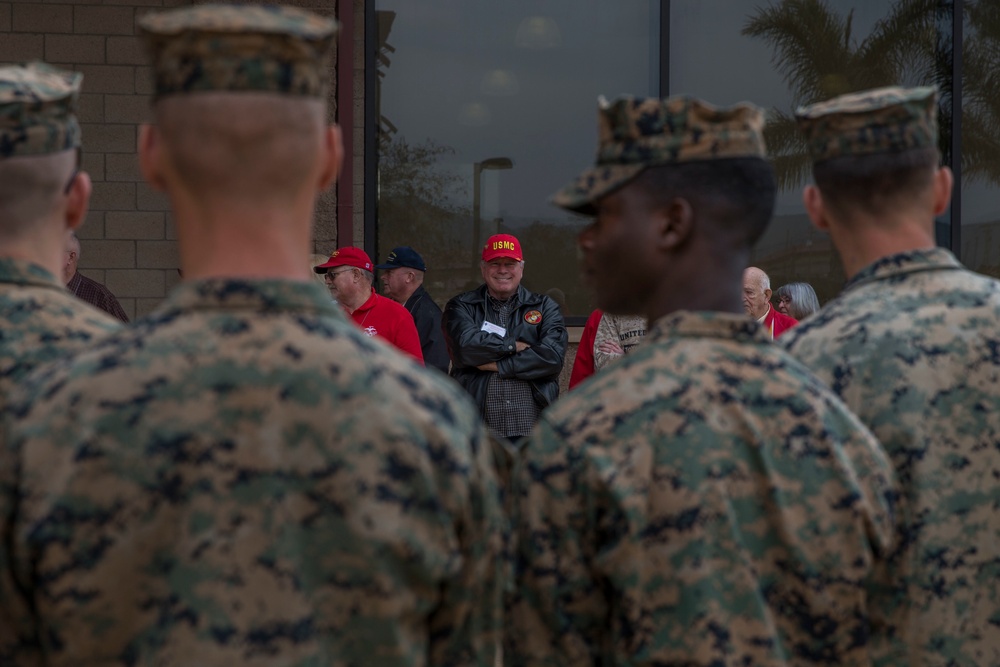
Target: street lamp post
{"x": 477, "y": 170}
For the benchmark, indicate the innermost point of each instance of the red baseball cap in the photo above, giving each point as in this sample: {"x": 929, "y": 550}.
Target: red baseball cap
{"x": 502, "y": 245}
{"x": 349, "y": 256}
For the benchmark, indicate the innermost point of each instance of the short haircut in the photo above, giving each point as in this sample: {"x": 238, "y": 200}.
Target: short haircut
{"x": 737, "y": 193}
{"x": 804, "y": 301}
{"x": 876, "y": 183}
{"x": 30, "y": 190}
{"x": 367, "y": 275}
{"x": 244, "y": 145}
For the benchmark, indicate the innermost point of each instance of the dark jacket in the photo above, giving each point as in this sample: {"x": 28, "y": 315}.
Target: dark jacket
{"x": 427, "y": 317}
{"x": 469, "y": 346}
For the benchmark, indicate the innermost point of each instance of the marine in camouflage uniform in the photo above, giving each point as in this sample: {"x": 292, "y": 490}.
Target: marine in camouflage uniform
{"x": 705, "y": 500}
{"x": 41, "y": 320}
{"x": 244, "y": 478}
{"x": 911, "y": 346}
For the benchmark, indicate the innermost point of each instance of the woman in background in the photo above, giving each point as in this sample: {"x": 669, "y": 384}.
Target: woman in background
{"x": 797, "y": 300}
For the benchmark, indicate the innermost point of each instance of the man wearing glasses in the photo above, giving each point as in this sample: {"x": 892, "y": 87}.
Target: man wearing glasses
{"x": 43, "y": 198}
{"x": 349, "y": 278}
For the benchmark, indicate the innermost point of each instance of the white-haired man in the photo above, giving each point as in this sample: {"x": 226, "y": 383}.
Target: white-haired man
{"x": 757, "y": 303}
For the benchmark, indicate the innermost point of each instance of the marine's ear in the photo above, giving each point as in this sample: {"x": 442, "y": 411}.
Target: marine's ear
{"x": 333, "y": 156}
{"x": 812, "y": 198}
{"x": 151, "y": 156}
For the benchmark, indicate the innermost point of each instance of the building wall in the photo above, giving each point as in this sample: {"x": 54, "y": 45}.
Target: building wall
{"x": 128, "y": 241}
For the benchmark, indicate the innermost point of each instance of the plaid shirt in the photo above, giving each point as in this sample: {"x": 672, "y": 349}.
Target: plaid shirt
{"x": 511, "y": 410}
{"x": 96, "y": 294}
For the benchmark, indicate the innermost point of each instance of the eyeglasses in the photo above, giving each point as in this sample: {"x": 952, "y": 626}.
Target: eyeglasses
{"x": 334, "y": 274}
{"x": 76, "y": 171}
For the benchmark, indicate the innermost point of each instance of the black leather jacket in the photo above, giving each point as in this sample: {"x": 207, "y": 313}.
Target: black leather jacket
{"x": 427, "y": 317}
{"x": 470, "y": 346}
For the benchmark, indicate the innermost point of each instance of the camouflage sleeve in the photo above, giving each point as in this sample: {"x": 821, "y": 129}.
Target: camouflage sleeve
{"x": 465, "y": 629}
{"x": 19, "y": 645}
{"x": 559, "y": 609}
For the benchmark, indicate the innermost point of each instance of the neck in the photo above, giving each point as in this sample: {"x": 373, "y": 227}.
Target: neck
{"x": 405, "y": 296}
{"x": 701, "y": 282}
{"x": 355, "y": 301}
{"x": 45, "y": 248}
{"x": 501, "y": 297}
{"x": 868, "y": 240}
{"x": 243, "y": 240}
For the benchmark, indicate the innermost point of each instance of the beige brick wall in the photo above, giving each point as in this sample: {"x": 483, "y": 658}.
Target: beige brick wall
{"x": 128, "y": 242}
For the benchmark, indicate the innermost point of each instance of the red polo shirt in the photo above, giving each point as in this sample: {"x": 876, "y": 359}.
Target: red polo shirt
{"x": 383, "y": 317}
{"x": 777, "y": 323}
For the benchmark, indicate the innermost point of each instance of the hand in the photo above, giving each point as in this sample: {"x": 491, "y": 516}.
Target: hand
{"x": 491, "y": 366}
{"x": 521, "y": 346}
{"x": 610, "y": 347}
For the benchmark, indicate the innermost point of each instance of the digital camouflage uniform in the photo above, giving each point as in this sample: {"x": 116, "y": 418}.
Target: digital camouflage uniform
{"x": 244, "y": 478}
{"x": 705, "y": 500}
{"x": 41, "y": 320}
{"x": 911, "y": 346}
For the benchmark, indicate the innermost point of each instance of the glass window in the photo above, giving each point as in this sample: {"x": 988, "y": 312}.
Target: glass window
{"x": 981, "y": 138}
{"x": 780, "y": 55}
{"x": 485, "y": 110}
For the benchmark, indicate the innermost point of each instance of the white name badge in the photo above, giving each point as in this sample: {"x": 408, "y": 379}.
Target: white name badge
{"x": 489, "y": 327}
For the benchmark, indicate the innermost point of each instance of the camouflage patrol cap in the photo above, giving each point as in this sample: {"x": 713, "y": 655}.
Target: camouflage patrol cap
{"x": 230, "y": 48}
{"x": 38, "y": 110}
{"x": 636, "y": 133}
{"x": 884, "y": 120}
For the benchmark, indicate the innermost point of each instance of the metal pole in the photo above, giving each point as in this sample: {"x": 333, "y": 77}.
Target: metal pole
{"x": 477, "y": 170}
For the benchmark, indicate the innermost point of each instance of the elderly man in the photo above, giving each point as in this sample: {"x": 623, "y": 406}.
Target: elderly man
{"x": 704, "y": 500}
{"x": 911, "y": 346}
{"x": 243, "y": 477}
{"x": 43, "y": 197}
{"x": 757, "y": 303}
{"x": 86, "y": 289}
{"x": 349, "y": 277}
{"x": 506, "y": 343}
{"x": 403, "y": 282}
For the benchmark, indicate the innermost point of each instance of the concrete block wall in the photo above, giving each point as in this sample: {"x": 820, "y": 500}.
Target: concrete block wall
{"x": 128, "y": 241}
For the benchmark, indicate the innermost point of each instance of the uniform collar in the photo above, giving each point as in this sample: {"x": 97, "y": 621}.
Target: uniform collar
{"x": 900, "y": 264}
{"x": 271, "y": 294}
{"x": 707, "y": 324}
{"x": 23, "y": 272}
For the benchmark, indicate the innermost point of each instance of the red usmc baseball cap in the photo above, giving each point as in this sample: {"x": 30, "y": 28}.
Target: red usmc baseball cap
{"x": 502, "y": 245}
{"x": 349, "y": 256}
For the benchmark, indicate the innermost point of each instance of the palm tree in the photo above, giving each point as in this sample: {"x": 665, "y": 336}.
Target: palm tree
{"x": 981, "y": 93}
{"x": 819, "y": 55}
